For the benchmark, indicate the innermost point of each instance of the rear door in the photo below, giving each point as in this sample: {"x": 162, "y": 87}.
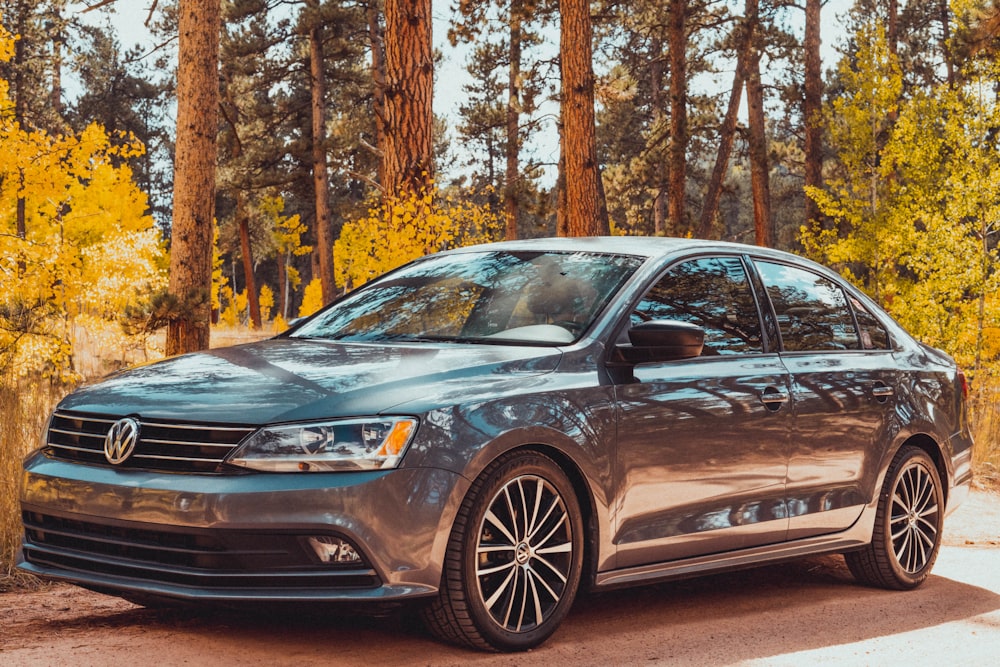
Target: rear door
{"x": 844, "y": 380}
{"x": 703, "y": 443}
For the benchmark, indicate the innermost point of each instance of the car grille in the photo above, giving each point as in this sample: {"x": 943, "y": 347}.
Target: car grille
{"x": 168, "y": 447}
{"x": 199, "y": 558}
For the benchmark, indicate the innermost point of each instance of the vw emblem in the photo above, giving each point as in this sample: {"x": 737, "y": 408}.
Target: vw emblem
{"x": 120, "y": 441}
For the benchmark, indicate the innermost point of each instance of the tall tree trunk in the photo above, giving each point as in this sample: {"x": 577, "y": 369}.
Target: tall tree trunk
{"x": 945, "y": 14}
{"x": 677, "y": 43}
{"x": 283, "y": 285}
{"x": 321, "y": 178}
{"x": 892, "y": 27}
{"x": 253, "y": 303}
{"x": 759, "y": 167}
{"x": 55, "y": 95}
{"x": 727, "y": 132}
{"x": 409, "y": 87}
{"x": 377, "y": 46}
{"x": 511, "y": 202}
{"x": 812, "y": 102}
{"x": 656, "y": 101}
{"x": 562, "y": 227}
{"x": 20, "y": 106}
{"x": 586, "y": 209}
{"x": 194, "y": 174}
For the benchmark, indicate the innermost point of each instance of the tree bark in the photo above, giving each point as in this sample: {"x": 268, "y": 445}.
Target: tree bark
{"x": 409, "y": 86}
{"x": 511, "y": 202}
{"x": 194, "y": 174}
{"x": 759, "y": 167}
{"x": 253, "y": 303}
{"x": 656, "y": 101}
{"x": 812, "y": 102}
{"x": 945, "y": 14}
{"x": 677, "y": 43}
{"x": 377, "y": 46}
{"x": 727, "y": 132}
{"x": 321, "y": 178}
{"x": 586, "y": 212}
{"x": 283, "y": 258}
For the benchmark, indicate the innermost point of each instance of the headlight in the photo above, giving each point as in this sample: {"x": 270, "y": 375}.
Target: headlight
{"x": 376, "y": 443}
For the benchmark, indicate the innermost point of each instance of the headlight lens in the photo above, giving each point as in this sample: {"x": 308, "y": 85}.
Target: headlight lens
{"x": 375, "y": 443}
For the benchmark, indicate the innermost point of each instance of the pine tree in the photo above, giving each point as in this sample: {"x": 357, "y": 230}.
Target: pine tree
{"x": 586, "y": 212}
{"x": 194, "y": 175}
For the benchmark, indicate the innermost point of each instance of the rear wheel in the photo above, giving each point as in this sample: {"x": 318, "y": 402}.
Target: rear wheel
{"x": 908, "y": 525}
{"x": 514, "y": 557}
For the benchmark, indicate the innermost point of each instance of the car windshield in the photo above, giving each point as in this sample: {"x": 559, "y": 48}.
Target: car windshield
{"x": 547, "y": 298}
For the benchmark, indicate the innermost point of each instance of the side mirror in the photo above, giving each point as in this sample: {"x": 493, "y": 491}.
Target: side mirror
{"x": 661, "y": 340}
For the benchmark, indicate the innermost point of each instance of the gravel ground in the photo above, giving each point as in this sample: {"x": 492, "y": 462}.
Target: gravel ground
{"x": 807, "y": 612}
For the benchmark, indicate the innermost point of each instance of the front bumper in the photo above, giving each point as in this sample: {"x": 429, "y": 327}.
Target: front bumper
{"x": 237, "y": 538}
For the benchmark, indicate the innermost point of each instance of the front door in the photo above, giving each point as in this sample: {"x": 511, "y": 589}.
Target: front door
{"x": 703, "y": 443}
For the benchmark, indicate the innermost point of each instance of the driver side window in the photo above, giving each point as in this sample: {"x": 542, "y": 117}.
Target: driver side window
{"x": 713, "y": 293}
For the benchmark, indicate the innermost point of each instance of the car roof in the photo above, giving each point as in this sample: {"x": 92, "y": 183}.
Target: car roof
{"x": 640, "y": 246}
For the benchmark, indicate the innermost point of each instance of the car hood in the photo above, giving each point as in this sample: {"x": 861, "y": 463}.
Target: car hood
{"x": 286, "y": 380}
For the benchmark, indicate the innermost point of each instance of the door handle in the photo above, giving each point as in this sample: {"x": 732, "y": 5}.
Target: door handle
{"x": 882, "y": 392}
{"x": 773, "y": 397}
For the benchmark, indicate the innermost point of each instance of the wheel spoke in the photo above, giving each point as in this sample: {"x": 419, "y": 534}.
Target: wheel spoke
{"x": 555, "y": 570}
{"x": 559, "y": 524}
{"x": 531, "y": 526}
{"x": 495, "y": 520}
{"x": 512, "y": 514}
{"x": 494, "y": 548}
{"x": 501, "y": 589}
{"x": 493, "y": 570}
{"x": 523, "y": 578}
{"x": 530, "y": 578}
{"x": 564, "y": 548}
{"x": 555, "y": 596}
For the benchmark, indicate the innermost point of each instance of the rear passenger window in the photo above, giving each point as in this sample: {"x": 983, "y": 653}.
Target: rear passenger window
{"x": 712, "y": 292}
{"x": 873, "y": 334}
{"x": 812, "y": 311}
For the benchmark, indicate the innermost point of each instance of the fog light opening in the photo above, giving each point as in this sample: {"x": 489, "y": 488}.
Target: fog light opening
{"x": 334, "y": 551}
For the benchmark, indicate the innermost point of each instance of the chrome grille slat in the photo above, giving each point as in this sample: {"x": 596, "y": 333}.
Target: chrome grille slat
{"x": 185, "y": 443}
{"x": 157, "y": 457}
{"x": 168, "y": 447}
{"x": 195, "y": 427}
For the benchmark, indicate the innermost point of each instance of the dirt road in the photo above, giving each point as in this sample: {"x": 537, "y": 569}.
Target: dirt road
{"x": 808, "y": 612}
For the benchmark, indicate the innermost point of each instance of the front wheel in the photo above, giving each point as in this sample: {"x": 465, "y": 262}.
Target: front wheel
{"x": 908, "y": 525}
{"x": 514, "y": 557}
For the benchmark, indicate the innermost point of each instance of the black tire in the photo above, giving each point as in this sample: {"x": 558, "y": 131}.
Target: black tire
{"x": 907, "y": 534}
{"x": 512, "y": 568}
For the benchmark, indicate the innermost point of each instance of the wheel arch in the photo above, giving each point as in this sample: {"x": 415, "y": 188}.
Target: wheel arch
{"x": 933, "y": 449}
{"x": 588, "y": 506}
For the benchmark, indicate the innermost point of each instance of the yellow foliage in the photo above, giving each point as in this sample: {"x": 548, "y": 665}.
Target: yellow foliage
{"x": 75, "y": 238}
{"x": 266, "y": 302}
{"x": 312, "y": 300}
{"x": 403, "y": 229}
{"x": 913, "y": 200}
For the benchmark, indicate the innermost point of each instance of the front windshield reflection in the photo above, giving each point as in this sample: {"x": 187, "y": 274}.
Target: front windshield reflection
{"x": 531, "y": 297}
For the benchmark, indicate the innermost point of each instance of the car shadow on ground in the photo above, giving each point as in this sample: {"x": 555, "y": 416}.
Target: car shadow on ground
{"x": 718, "y": 619}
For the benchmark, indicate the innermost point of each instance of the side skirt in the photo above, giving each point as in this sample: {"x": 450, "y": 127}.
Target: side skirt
{"x": 853, "y": 538}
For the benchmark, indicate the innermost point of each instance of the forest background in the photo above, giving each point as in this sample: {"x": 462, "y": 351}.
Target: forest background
{"x": 326, "y": 167}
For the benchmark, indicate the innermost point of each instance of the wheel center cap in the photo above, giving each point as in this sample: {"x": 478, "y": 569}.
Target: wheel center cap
{"x": 522, "y": 553}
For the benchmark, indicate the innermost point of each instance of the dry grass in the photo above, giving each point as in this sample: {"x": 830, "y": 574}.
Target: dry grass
{"x": 25, "y": 405}
{"x": 24, "y": 408}
{"x": 984, "y": 406}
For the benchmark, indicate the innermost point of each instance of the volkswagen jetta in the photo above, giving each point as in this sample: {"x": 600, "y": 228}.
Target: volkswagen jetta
{"x": 487, "y": 430}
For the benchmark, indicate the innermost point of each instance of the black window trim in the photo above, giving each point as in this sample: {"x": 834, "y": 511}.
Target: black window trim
{"x": 768, "y": 349}
{"x": 846, "y": 289}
